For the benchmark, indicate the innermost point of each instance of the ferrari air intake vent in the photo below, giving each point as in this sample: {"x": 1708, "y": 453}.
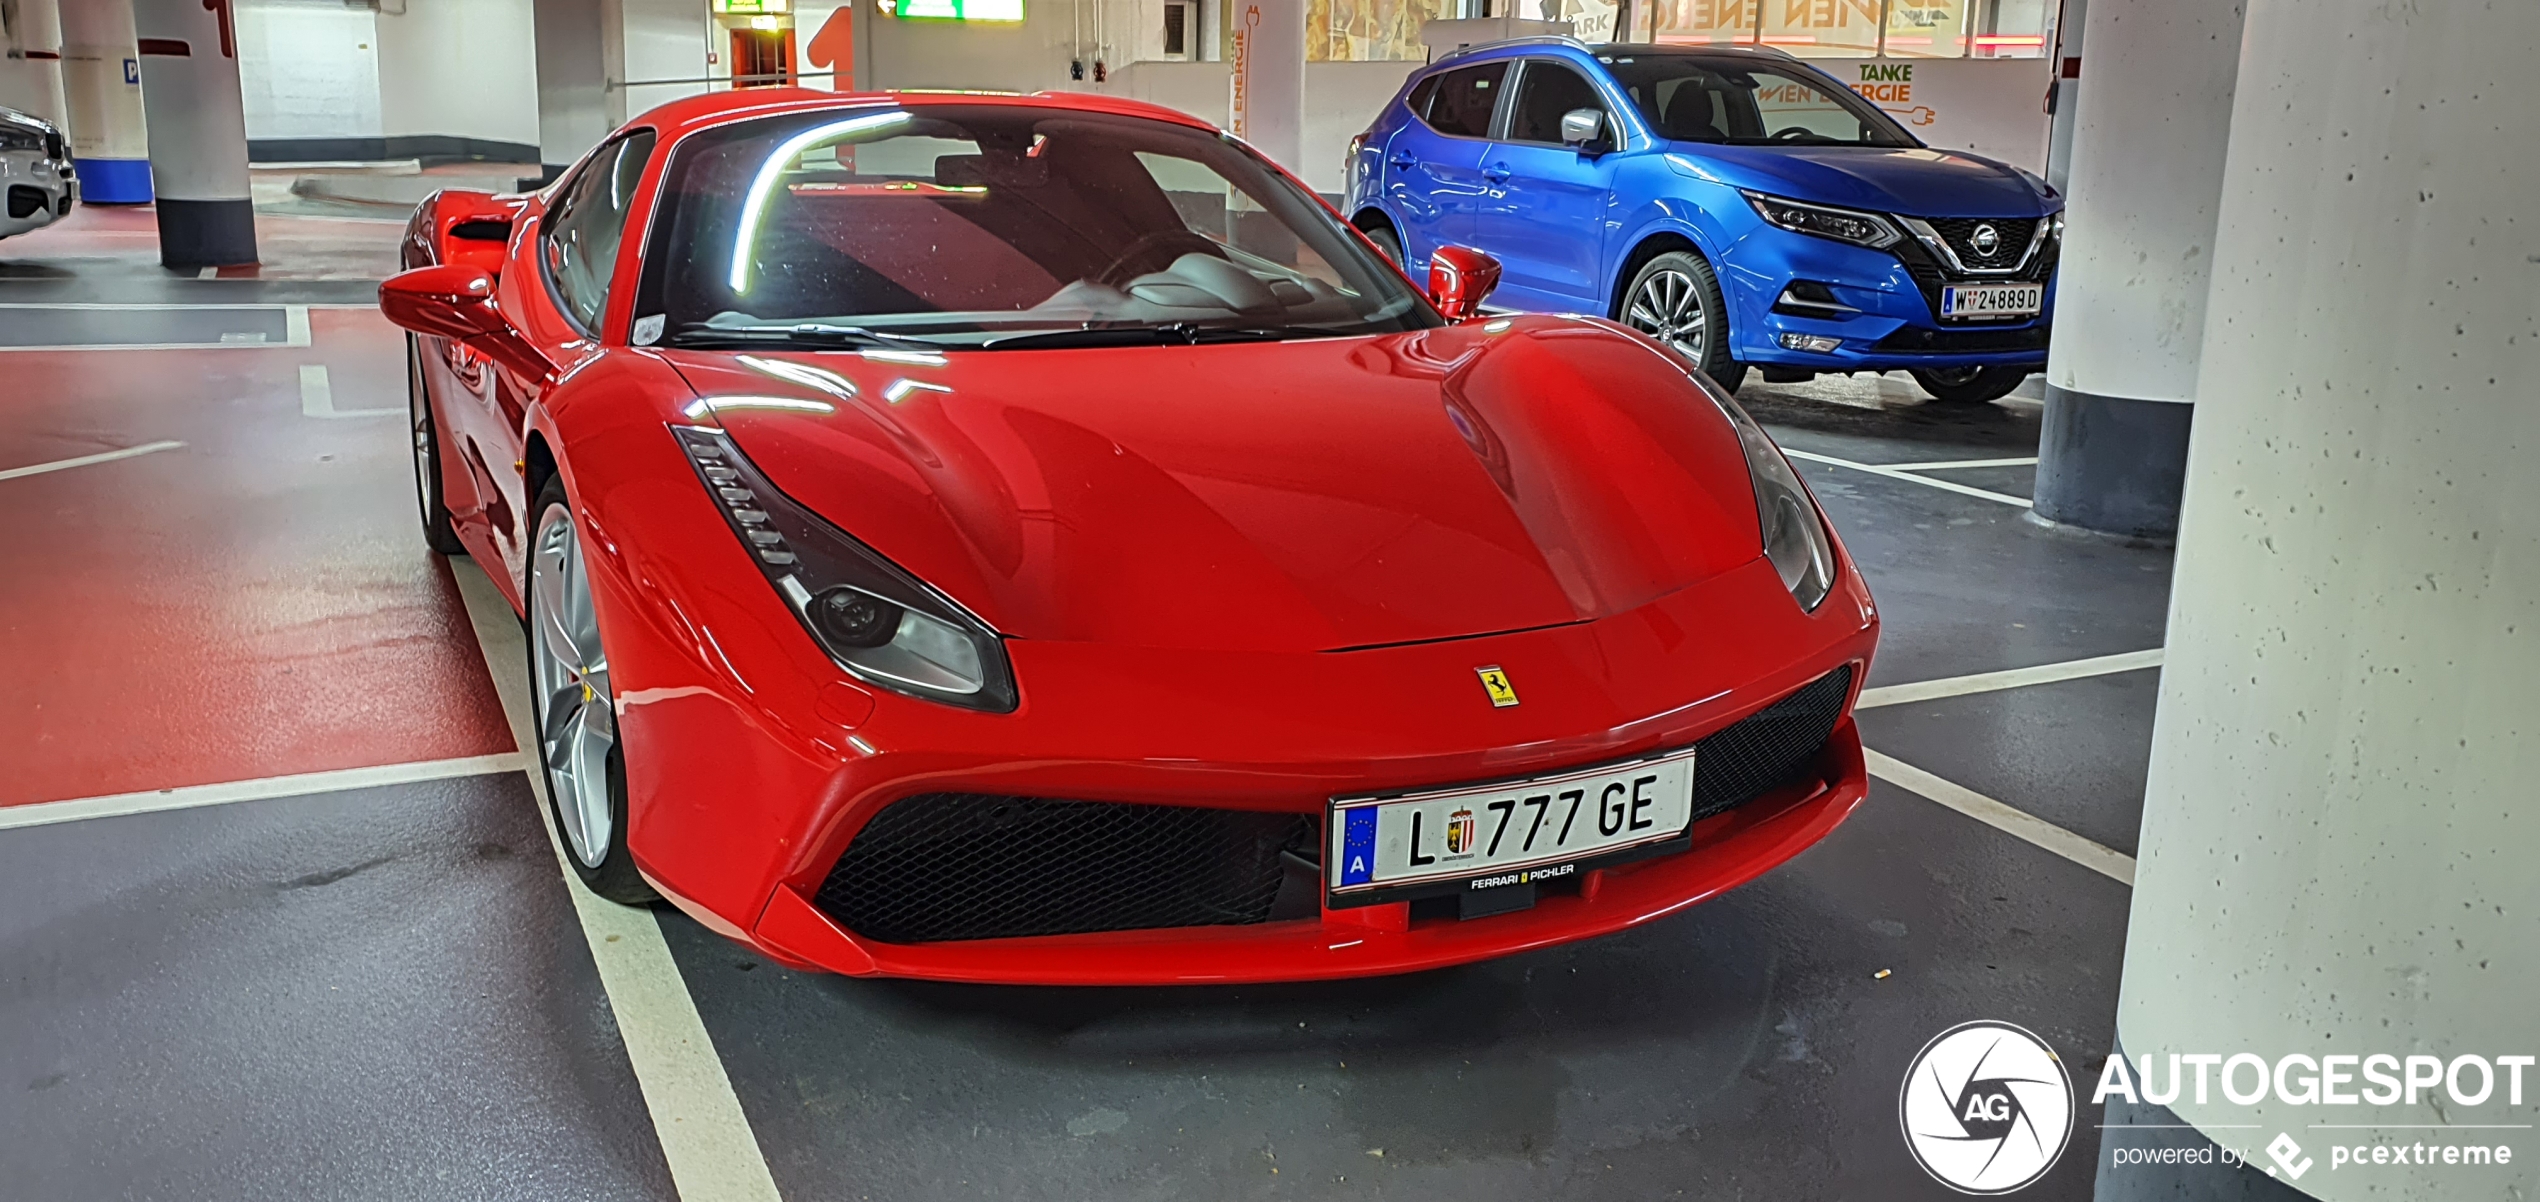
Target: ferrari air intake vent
{"x": 1763, "y": 752}
{"x": 945, "y": 866}
{"x": 25, "y": 201}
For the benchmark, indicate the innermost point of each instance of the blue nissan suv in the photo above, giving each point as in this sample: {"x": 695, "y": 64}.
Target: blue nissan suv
{"x": 1734, "y": 203}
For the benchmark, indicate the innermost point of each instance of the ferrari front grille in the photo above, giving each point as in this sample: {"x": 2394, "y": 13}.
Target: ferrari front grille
{"x": 1763, "y": 751}
{"x": 942, "y": 867}
{"x": 939, "y": 867}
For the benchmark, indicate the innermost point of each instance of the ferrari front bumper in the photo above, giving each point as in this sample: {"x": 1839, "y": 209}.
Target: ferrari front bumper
{"x": 745, "y": 799}
{"x": 1728, "y": 851}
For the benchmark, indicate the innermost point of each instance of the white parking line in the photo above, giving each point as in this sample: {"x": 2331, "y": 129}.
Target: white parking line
{"x": 295, "y": 326}
{"x": 713, "y": 1155}
{"x": 317, "y": 396}
{"x": 38, "y": 469}
{"x": 45, "y": 813}
{"x": 1942, "y": 465}
{"x": 2019, "y": 824}
{"x": 2012, "y": 678}
{"x": 1900, "y": 473}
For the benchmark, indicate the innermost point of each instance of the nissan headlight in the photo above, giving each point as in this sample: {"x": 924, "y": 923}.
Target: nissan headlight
{"x": 1795, "y": 536}
{"x": 884, "y": 626}
{"x": 1826, "y": 221}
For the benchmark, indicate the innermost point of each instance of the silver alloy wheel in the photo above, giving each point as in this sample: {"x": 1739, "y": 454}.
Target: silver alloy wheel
{"x": 577, "y": 726}
{"x": 1954, "y": 376}
{"x": 1668, "y": 307}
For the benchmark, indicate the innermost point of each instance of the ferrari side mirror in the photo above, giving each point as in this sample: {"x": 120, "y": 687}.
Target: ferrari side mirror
{"x": 1459, "y": 279}
{"x": 457, "y": 302}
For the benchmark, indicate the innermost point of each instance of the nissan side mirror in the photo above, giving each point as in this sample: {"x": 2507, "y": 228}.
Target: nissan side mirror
{"x": 1459, "y": 279}
{"x": 1583, "y": 129}
{"x": 456, "y": 301}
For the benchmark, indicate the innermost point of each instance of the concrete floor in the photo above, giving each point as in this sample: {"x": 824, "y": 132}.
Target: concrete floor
{"x": 387, "y": 990}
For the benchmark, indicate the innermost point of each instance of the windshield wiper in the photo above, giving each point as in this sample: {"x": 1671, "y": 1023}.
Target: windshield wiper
{"x": 808, "y": 333}
{"x": 1171, "y": 333}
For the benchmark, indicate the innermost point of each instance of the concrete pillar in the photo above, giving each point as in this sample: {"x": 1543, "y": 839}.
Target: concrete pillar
{"x": 1266, "y": 96}
{"x": 2138, "y": 244}
{"x": 33, "y": 72}
{"x": 101, "y": 91}
{"x": 2339, "y": 833}
{"x": 198, "y": 132}
{"x": 2072, "y": 20}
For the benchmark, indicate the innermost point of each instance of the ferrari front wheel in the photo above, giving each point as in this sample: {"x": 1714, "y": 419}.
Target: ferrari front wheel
{"x": 438, "y": 533}
{"x": 573, "y": 713}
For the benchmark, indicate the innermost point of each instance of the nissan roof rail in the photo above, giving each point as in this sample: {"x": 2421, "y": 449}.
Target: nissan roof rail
{"x": 1534, "y": 39}
{"x": 1557, "y": 39}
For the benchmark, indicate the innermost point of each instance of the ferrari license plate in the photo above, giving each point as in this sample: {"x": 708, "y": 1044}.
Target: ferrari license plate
{"x": 1992, "y": 300}
{"x": 1521, "y": 830}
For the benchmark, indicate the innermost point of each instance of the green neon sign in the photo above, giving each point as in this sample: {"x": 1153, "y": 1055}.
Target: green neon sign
{"x": 955, "y": 10}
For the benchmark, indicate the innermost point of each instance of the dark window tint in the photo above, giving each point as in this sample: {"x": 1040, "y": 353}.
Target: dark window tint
{"x": 1464, "y": 99}
{"x": 1418, "y": 100}
{"x": 588, "y": 222}
{"x": 1692, "y": 99}
{"x": 1544, "y": 92}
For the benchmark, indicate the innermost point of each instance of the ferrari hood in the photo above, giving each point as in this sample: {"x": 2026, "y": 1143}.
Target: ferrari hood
{"x": 1916, "y": 181}
{"x": 1319, "y": 494}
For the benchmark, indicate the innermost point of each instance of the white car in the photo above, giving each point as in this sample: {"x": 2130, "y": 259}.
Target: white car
{"x": 36, "y": 184}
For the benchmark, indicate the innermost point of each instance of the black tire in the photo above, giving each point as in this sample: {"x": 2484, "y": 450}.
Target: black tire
{"x": 438, "y": 533}
{"x": 614, "y": 877}
{"x": 1675, "y": 298}
{"x": 1387, "y": 244}
{"x": 1970, "y": 385}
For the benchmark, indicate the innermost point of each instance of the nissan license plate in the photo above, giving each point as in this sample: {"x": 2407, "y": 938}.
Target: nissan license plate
{"x": 1508, "y": 830}
{"x": 1992, "y": 300}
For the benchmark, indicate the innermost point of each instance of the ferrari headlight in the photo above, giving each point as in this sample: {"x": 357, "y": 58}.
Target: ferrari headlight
{"x": 1794, "y": 534}
{"x": 1826, "y": 221}
{"x": 881, "y": 624}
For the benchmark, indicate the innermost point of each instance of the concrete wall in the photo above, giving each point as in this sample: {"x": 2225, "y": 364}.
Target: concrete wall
{"x": 442, "y": 79}
{"x": 574, "y": 103}
{"x": 460, "y": 68}
{"x": 1994, "y": 107}
{"x": 308, "y": 69}
{"x": 1340, "y": 100}
{"x": 660, "y": 39}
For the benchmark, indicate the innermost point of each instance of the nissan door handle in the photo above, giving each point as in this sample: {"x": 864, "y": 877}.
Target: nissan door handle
{"x": 1402, "y": 160}
{"x": 1496, "y": 173}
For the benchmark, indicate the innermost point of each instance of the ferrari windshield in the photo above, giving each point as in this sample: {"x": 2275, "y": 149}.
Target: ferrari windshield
{"x": 971, "y": 225}
{"x": 1691, "y": 98}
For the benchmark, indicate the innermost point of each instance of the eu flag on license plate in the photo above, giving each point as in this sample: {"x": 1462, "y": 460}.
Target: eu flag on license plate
{"x": 1358, "y": 845}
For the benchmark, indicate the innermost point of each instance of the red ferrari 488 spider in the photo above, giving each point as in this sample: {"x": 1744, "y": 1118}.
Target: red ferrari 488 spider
{"x": 1033, "y": 539}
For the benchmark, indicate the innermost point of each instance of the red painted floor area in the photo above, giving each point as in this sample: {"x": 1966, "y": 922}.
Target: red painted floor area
{"x": 256, "y": 603}
{"x": 98, "y": 241}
